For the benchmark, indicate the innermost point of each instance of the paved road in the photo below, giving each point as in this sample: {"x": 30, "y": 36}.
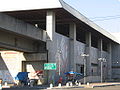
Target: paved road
{"x": 97, "y": 88}
{"x": 100, "y": 88}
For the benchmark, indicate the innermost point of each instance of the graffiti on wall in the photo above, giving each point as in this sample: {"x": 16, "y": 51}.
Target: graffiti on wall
{"x": 62, "y": 54}
{"x": 6, "y": 76}
{"x": 11, "y": 65}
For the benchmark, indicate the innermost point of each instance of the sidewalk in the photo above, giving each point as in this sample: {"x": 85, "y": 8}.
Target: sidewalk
{"x": 91, "y": 85}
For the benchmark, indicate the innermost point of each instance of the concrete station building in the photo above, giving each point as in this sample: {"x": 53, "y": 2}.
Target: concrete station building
{"x": 34, "y": 32}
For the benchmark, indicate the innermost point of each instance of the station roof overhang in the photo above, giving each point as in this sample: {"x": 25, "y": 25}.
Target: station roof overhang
{"x": 35, "y": 11}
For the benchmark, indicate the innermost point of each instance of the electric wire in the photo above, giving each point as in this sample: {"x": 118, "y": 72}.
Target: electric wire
{"x": 95, "y": 19}
{"x": 103, "y": 19}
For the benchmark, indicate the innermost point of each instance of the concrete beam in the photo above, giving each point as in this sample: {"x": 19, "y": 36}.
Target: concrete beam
{"x": 15, "y": 42}
{"x": 10, "y": 24}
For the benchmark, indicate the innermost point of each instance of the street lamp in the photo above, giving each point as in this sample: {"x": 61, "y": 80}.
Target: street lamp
{"x": 85, "y": 67}
{"x": 116, "y": 62}
{"x": 59, "y": 52}
{"x": 101, "y": 65}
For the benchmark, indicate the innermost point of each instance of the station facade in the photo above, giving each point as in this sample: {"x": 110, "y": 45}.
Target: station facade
{"x": 67, "y": 36}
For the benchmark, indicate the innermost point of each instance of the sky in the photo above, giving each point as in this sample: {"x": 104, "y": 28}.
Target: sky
{"x": 105, "y": 13}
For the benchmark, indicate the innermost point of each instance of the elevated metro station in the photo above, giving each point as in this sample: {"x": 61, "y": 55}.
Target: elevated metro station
{"x": 36, "y": 32}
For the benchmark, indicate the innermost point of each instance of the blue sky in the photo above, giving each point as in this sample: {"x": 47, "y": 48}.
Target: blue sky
{"x": 105, "y": 13}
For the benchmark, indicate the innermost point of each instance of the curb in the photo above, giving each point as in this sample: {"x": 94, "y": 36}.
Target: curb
{"x": 105, "y": 85}
{"x": 66, "y": 87}
{"x": 85, "y": 86}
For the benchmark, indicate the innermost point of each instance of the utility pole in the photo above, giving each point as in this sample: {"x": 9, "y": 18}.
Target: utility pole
{"x": 101, "y": 66}
{"x": 59, "y": 52}
{"x": 85, "y": 66}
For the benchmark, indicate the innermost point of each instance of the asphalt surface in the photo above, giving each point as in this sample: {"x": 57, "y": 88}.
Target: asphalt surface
{"x": 97, "y": 88}
{"x": 23, "y": 88}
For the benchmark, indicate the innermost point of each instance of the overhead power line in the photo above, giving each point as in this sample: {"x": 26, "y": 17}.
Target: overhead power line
{"x": 94, "y": 19}
{"x": 105, "y": 18}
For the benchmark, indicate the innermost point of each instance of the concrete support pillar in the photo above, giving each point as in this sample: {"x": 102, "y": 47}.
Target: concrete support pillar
{"x": 50, "y": 28}
{"x": 109, "y": 61}
{"x": 88, "y": 51}
{"x": 100, "y": 49}
{"x": 72, "y": 35}
{"x": 50, "y": 24}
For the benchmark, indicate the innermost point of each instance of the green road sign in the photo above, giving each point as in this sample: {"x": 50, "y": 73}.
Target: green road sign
{"x": 50, "y": 66}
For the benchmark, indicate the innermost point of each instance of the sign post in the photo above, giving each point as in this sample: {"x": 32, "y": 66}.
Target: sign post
{"x": 50, "y": 66}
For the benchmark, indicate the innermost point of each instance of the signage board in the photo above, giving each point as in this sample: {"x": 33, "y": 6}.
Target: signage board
{"x": 50, "y": 66}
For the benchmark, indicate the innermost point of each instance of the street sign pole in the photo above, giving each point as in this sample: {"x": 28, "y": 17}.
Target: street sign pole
{"x": 101, "y": 62}
{"x": 59, "y": 55}
{"x": 51, "y": 67}
{"x": 85, "y": 66}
